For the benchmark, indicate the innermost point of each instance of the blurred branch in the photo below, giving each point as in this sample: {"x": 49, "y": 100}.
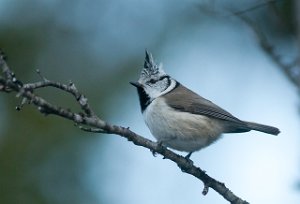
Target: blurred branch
{"x": 257, "y": 6}
{"x": 291, "y": 70}
{"x": 88, "y": 121}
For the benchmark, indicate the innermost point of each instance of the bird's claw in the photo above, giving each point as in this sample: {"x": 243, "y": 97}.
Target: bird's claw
{"x": 159, "y": 145}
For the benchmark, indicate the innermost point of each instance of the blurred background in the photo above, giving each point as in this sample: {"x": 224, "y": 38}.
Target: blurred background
{"x": 99, "y": 45}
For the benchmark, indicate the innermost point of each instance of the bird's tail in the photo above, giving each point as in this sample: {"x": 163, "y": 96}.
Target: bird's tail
{"x": 263, "y": 128}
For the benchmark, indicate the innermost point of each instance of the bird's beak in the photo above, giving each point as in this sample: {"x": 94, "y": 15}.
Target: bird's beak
{"x": 136, "y": 84}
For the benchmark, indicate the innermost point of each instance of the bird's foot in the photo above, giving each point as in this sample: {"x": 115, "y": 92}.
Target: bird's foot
{"x": 159, "y": 144}
{"x": 188, "y": 155}
{"x": 188, "y": 158}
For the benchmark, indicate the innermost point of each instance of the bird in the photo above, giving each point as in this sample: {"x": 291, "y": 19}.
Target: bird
{"x": 181, "y": 119}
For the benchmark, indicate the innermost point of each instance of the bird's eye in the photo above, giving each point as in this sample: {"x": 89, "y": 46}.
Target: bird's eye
{"x": 152, "y": 81}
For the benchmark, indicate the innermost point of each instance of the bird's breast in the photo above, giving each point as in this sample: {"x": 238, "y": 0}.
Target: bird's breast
{"x": 180, "y": 130}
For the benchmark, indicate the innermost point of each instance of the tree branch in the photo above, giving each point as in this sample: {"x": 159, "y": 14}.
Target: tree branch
{"x": 88, "y": 121}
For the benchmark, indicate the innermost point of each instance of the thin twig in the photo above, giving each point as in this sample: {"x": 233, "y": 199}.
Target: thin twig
{"x": 71, "y": 88}
{"x": 90, "y": 122}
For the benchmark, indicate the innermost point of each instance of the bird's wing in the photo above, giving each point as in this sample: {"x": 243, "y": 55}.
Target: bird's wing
{"x": 183, "y": 99}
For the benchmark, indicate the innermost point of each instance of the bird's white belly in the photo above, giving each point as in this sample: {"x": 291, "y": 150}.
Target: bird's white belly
{"x": 180, "y": 130}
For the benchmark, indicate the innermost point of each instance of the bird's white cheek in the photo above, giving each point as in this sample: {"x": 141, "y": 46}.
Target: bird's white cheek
{"x": 152, "y": 92}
